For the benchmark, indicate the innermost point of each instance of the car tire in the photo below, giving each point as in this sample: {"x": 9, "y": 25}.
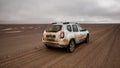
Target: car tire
{"x": 47, "y": 46}
{"x": 87, "y": 39}
{"x": 71, "y": 46}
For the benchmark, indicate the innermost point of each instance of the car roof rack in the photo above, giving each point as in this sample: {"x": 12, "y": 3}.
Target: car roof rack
{"x": 66, "y": 22}
{"x": 76, "y": 23}
{"x": 54, "y": 23}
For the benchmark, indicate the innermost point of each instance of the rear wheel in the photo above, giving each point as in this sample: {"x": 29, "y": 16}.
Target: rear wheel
{"x": 71, "y": 46}
{"x": 47, "y": 46}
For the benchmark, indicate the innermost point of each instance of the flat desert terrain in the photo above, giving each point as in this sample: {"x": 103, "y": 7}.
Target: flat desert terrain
{"x": 21, "y": 47}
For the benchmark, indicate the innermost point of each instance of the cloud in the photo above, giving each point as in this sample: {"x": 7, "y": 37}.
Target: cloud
{"x": 60, "y": 10}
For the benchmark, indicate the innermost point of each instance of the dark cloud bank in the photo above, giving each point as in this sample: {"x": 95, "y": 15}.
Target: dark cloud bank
{"x": 44, "y": 11}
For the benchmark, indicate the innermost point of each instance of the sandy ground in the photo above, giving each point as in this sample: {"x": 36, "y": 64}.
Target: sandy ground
{"x": 21, "y": 47}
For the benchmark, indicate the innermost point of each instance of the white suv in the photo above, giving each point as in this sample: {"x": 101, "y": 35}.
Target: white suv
{"x": 64, "y": 35}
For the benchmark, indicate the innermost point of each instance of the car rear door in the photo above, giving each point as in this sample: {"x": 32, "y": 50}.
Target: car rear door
{"x": 76, "y": 33}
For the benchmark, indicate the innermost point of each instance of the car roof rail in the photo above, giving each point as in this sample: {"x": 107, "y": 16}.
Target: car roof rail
{"x": 76, "y": 23}
{"x": 54, "y": 23}
{"x": 66, "y": 22}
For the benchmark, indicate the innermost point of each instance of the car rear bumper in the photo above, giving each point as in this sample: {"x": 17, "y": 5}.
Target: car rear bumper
{"x": 54, "y": 44}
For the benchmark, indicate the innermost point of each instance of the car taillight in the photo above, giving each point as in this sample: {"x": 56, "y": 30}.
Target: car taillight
{"x": 62, "y": 35}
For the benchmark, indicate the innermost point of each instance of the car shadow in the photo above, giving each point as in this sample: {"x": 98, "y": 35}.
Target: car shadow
{"x": 59, "y": 50}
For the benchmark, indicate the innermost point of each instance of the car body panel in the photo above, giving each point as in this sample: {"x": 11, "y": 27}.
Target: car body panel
{"x": 53, "y": 38}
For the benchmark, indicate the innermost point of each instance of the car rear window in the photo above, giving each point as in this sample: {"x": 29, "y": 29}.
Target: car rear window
{"x": 69, "y": 28}
{"x": 53, "y": 28}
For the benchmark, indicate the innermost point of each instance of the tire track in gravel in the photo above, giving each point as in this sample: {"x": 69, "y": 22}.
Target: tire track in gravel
{"x": 20, "y": 58}
{"x": 27, "y": 58}
{"x": 113, "y": 58}
{"x": 96, "y": 58}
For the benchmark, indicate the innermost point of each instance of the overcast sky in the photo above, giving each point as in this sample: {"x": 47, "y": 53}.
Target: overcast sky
{"x": 45, "y": 11}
